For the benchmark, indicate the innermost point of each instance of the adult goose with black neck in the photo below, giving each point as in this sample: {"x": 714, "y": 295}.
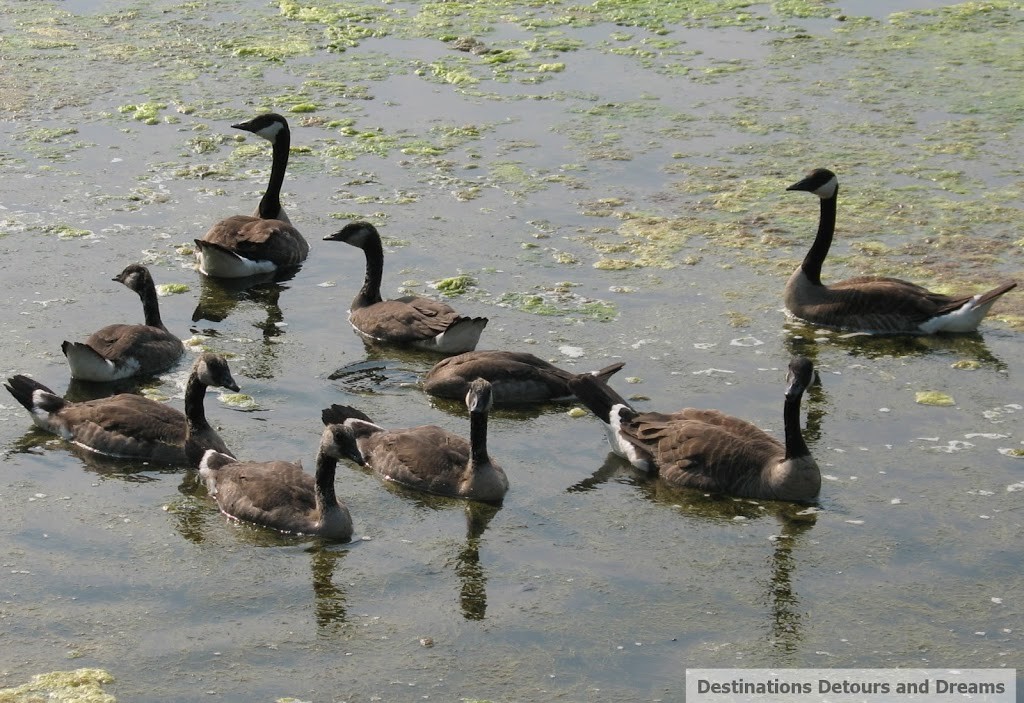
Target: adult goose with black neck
{"x": 279, "y": 494}
{"x": 266, "y": 241}
{"x": 709, "y": 450}
{"x": 873, "y": 304}
{"x": 129, "y": 426}
{"x": 125, "y": 350}
{"x": 408, "y": 321}
{"x": 429, "y": 458}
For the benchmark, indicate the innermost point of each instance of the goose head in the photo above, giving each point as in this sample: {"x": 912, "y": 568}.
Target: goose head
{"x": 358, "y": 234}
{"x": 479, "y": 398}
{"x": 820, "y": 181}
{"x": 135, "y": 276}
{"x": 799, "y": 377}
{"x": 339, "y": 442}
{"x": 269, "y": 126}
{"x": 212, "y": 370}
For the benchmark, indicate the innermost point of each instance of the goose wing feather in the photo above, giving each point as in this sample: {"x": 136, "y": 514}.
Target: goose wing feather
{"x": 704, "y": 449}
{"x": 274, "y": 493}
{"x": 119, "y": 341}
{"x": 259, "y": 239}
{"x": 427, "y": 458}
{"x": 404, "y": 319}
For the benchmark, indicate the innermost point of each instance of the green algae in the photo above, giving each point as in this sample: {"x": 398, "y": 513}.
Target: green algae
{"x": 936, "y": 398}
{"x": 456, "y": 285}
{"x": 78, "y": 686}
{"x": 172, "y": 288}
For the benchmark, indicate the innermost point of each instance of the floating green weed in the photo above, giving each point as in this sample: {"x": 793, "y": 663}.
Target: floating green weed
{"x": 78, "y": 686}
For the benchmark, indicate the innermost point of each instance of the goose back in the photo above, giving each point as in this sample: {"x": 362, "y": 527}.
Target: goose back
{"x": 515, "y": 377}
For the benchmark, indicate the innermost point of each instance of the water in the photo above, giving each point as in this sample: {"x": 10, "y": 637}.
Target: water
{"x": 591, "y": 582}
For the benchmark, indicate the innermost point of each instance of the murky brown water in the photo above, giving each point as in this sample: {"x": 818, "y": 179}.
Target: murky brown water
{"x": 591, "y": 582}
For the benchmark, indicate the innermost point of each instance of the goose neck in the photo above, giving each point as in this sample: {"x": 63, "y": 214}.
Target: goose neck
{"x": 796, "y": 447}
{"x": 150, "y": 306}
{"x": 478, "y": 438}
{"x": 369, "y": 294}
{"x": 195, "y": 412}
{"x": 324, "y": 491}
{"x": 270, "y": 204}
{"x": 822, "y": 240}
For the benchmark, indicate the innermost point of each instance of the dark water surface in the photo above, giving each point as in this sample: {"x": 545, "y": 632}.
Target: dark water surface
{"x": 615, "y": 186}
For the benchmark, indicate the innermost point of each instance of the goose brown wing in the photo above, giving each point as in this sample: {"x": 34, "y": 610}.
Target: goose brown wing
{"x": 117, "y": 341}
{"x": 264, "y": 491}
{"x": 125, "y": 424}
{"x": 404, "y": 319}
{"x": 428, "y": 458}
{"x": 704, "y": 449}
{"x": 867, "y": 295}
{"x": 258, "y": 239}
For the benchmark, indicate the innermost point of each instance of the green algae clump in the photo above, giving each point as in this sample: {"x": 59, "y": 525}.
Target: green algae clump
{"x": 934, "y": 398}
{"x": 78, "y": 686}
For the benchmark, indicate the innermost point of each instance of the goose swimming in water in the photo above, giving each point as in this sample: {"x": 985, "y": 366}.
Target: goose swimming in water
{"x": 129, "y": 426}
{"x": 279, "y": 494}
{"x": 409, "y": 321}
{"x": 429, "y": 458}
{"x": 245, "y": 245}
{"x": 709, "y": 450}
{"x": 515, "y": 377}
{"x": 873, "y": 304}
{"x": 122, "y": 351}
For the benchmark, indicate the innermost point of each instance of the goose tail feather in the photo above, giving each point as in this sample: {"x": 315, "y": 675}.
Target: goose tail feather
{"x": 24, "y": 390}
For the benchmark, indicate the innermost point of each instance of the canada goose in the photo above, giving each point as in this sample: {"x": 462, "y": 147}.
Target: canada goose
{"x": 419, "y": 322}
{"x": 279, "y": 494}
{"x": 515, "y": 377}
{"x": 708, "y": 450}
{"x": 429, "y": 458}
{"x": 873, "y": 304}
{"x": 129, "y": 426}
{"x": 122, "y": 351}
{"x": 244, "y": 245}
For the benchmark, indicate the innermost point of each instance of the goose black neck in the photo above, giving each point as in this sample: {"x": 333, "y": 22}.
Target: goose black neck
{"x": 150, "y": 306}
{"x": 795, "y": 445}
{"x": 325, "y": 472}
{"x": 270, "y": 205}
{"x": 478, "y": 438}
{"x": 822, "y": 240}
{"x": 369, "y": 294}
{"x": 195, "y": 413}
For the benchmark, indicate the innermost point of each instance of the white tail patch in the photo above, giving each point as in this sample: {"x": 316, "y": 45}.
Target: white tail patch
{"x": 966, "y": 318}
{"x": 218, "y": 263}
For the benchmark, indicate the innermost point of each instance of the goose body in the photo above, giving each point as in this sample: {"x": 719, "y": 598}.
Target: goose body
{"x": 244, "y": 245}
{"x": 123, "y": 351}
{"x": 129, "y": 426}
{"x": 515, "y": 377}
{"x": 408, "y": 321}
{"x": 279, "y": 494}
{"x": 873, "y": 304}
{"x": 429, "y": 458}
{"x": 709, "y": 450}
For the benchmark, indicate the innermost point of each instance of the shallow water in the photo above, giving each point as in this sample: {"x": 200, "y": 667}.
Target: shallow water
{"x": 630, "y": 204}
